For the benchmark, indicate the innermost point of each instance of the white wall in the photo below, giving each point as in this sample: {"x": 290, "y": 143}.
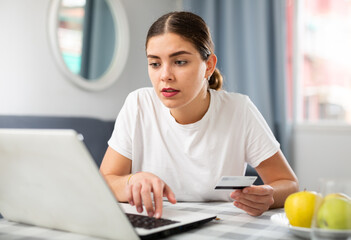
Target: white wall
{"x": 30, "y": 81}
{"x": 321, "y": 151}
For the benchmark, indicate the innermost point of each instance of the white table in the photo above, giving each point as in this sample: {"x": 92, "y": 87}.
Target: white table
{"x": 233, "y": 223}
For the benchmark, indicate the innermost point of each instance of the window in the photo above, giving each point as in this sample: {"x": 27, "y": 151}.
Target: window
{"x": 324, "y": 42}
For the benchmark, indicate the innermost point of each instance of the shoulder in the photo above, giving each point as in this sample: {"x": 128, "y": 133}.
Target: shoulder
{"x": 143, "y": 102}
{"x": 230, "y": 99}
{"x": 142, "y": 96}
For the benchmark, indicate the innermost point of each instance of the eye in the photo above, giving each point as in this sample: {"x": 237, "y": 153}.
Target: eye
{"x": 154, "y": 65}
{"x": 180, "y": 62}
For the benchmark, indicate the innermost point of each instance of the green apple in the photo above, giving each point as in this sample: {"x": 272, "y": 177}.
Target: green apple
{"x": 337, "y": 195}
{"x": 334, "y": 213}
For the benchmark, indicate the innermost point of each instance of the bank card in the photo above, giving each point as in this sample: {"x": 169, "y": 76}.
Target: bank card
{"x": 235, "y": 182}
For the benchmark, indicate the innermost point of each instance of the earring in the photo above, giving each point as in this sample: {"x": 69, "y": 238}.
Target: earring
{"x": 208, "y": 79}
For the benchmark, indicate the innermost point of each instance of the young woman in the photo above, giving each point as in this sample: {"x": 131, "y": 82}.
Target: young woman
{"x": 177, "y": 139}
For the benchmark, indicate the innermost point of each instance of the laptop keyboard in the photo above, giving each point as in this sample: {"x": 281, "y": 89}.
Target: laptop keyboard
{"x": 146, "y": 222}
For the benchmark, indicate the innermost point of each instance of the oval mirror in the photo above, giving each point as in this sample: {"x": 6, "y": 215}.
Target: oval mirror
{"x": 89, "y": 40}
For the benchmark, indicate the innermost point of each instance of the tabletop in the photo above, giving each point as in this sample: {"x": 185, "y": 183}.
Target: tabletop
{"x": 231, "y": 223}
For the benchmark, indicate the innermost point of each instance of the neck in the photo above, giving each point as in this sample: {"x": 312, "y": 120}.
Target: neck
{"x": 193, "y": 111}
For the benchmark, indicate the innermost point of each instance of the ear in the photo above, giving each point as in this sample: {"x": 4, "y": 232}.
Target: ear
{"x": 211, "y": 65}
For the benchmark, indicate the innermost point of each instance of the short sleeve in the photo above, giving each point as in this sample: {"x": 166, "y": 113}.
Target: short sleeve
{"x": 260, "y": 141}
{"x": 121, "y": 139}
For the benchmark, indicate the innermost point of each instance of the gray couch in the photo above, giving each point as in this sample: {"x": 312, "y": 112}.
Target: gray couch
{"x": 96, "y": 132}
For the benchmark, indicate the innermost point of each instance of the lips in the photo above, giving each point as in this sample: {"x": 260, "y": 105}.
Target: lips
{"x": 169, "y": 92}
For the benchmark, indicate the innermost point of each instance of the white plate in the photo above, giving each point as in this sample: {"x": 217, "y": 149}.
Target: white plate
{"x": 281, "y": 219}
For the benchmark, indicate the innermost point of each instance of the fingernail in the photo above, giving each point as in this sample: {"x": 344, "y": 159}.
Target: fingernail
{"x": 151, "y": 214}
{"x": 140, "y": 209}
{"x": 131, "y": 203}
{"x": 157, "y": 215}
{"x": 245, "y": 190}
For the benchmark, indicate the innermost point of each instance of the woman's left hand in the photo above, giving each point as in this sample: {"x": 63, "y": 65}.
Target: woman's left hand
{"x": 254, "y": 200}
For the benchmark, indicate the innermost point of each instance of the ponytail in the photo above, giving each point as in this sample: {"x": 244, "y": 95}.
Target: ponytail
{"x": 216, "y": 80}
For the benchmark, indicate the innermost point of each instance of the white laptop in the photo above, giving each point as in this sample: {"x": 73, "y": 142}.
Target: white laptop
{"x": 49, "y": 179}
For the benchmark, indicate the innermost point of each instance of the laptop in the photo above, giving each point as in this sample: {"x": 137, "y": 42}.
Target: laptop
{"x": 49, "y": 179}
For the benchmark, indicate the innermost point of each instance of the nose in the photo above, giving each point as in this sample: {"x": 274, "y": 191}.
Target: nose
{"x": 167, "y": 73}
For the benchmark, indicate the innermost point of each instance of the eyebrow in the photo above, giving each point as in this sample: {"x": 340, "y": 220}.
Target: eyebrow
{"x": 171, "y": 55}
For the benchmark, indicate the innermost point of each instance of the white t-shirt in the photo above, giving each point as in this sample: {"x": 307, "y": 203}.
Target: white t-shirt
{"x": 191, "y": 158}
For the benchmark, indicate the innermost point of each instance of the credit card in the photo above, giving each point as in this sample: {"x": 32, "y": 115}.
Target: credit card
{"x": 235, "y": 182}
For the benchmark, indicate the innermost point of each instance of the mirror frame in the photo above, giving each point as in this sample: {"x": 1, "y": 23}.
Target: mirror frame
{"x": 120, "y": 55}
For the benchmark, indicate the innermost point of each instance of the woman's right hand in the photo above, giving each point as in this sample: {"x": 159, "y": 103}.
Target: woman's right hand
{"x": 139, "y": 189}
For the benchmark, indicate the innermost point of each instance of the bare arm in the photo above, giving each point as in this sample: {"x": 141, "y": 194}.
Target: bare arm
{"x": 280, "y": 181}
{"x": 116, "y": 170}
{"x": 276, "y": 172}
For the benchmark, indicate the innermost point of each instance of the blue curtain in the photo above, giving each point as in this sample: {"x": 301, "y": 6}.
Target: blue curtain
{"x": 250, "y": 42}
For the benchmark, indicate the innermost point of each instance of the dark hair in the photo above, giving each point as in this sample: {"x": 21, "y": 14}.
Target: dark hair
{"x": 194, "y": 29}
